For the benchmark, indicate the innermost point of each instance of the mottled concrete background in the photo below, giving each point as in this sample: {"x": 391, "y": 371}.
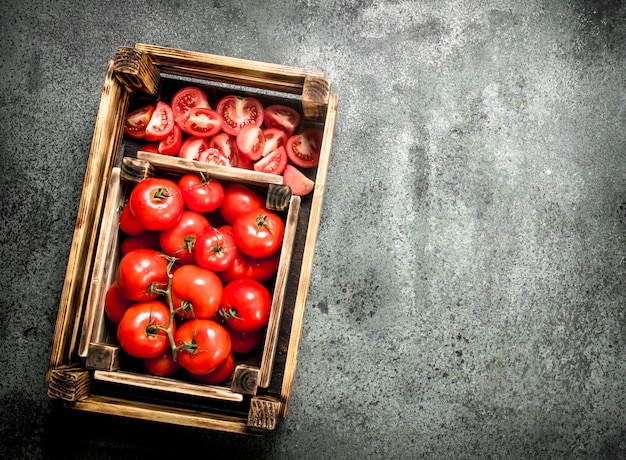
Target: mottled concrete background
{"x": 469, "y": 294}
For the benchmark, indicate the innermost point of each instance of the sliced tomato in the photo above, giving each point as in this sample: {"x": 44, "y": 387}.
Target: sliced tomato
{"x": 152, "y": 147}
{"x": 273, "y": 163}
{"x": 185, "y": 100}
{"x": 251, "y": 142}
{"x": 193, "y": 147}
{"x": 274, "y": 138}
{"x": 161, "y": 122}
{"x": 282, "y": 117}
{"x": 300, "y": 184}
{"x": 227, "y": 145}
{"x": 214, "y": 156}
{"x": 304, "y": 149}
{"x": 238, "y": 111}
{"x": 202, "y": 122}
{"x": 171, "y": 144}
{"x": 137, "y": 121}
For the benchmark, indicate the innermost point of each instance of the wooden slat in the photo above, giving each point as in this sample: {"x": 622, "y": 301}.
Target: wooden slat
{"x": 169, "y": 385}
{"x": 309, "y": 252}
{"x": 229, "y": 70}
{"x": 69, "y": 383}
{"x": 264, "y": 413}
{"x": 136, "y": 71}
{"x": 278, "y": 296}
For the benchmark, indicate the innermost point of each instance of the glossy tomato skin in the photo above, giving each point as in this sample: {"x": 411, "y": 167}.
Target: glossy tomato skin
{"x": 259, "y": 233}
{"x": 179, "y": 240}
{"x": 140, "y": 333}
{"x": 156, "y": 203}
{"x": 238, "y": 199}
{"x": 202, "y": 122}
{"x": 147, "y": 240}
{"x": 281, "y": 117}
{"x": 246, "y": 305}
{"x": 197, "y": 289}
{"x": 304, "y": 149}
{"x": 204, "y": 345}
{"x": 273, "y": 163}
{"x": 162, "y": 365}
{"x": 220, "y": 374}
{"x": 245, "y": 342}
{"x": 215, "y": 250}
{"x": 129, "y": 224}
{"x": 139, "y": 272}
{"x": 161, "y": 122}
{"x": 201, "y": 194}
{"x": 238, "y": 111}
{"x": 137, "y": 121}
{"x": 185, "y": 99}
{"x": 258, "y": 269}
{"x": 115, "y": 303}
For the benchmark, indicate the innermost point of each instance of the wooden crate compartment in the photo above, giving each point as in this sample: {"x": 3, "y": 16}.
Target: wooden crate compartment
{"x": 87, "y": 369}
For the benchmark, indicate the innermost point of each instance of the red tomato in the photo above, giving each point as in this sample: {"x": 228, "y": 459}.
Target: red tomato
{"x": 259, "y": 233}
{"x": 186, "y": 99}
{"x": 220, "y": 374}
{"x": 226, "y": 144}
{"x": 258, "y": 269}
{"x": 128, "y": 223}
{"x": 201, "y": 193}
{"x": 156, "y": 203}
{"x": 237, "y": 111}
{"x": 147, "y": 240}
{"x": 172, "y": 143}
{"x": 238, "y": 199}
{"x": 274, "y": 138}
{"x": 244, "y": 342}
{"x": 140, "y": 272}
{"x": 273, "y": 163}
{"x": 202, "y": 122}
{"x": 215, "y": 250}
{"x": 304, "y": 149}
{"x": 151, "y": 148}
{"x": 141, "y": 333}
{"x": 115, "y": 303}
{"x": 179, "y": 240}
{"x": 193, "y": 147}
{"x": 246, "y": 305}
{"x": 214, "y": 156}
{"x": 300, "y": 184}
{"x": 161, "y": 122}
{"x": 196, "y": 292}
{"x": 202, "y": 345}
{"x": 281, "y": 117}
{"x": 162, "y": 365}
{"x": 137, "y": 121}
{"x": 251, "y": 142}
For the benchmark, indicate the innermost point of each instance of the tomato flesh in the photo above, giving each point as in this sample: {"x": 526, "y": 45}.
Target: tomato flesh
{"x": 171, "y": 144}
{"x": 273, "y": 163}
{"x": 186, "y": 99}
{"x": 304, "y": 149}
{"x": 237, "y": 111}
{"x": 281, "y": 117}
{"x": 202, "y": 122}
{"x": 251, "y": 142}
{"x": 137, "y": 121}
{"x": 161, "y": 122}
{"x": 300, "y": 184}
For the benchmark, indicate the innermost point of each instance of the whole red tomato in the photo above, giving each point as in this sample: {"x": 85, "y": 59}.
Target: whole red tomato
{"x": 246, "y": 305}
{"x": 258, "y": 269}
{"x": 115, "y": 303}
{"x": 200, "y": 193}
{"x": 259, "y": 233}
{"x": 202, "y": 345}
{"x": 238, "y": 199}
{"x": 244, "y": 342}
{"x": 156, "y": 203}
{"x": 215, "y": 249}
{"x": 196, "y": 292}
{"x": 128, "y": 224}
{"x": 141, "y": 333}
{"x": 147, "y": 240}
{"x": 179, "y": 240}
{"x": 162, "y": 365}
{"x": 140, "y": 273}
{"x": 220, "y": 374}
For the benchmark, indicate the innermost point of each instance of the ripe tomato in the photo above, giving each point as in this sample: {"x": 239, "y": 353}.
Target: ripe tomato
{"x": 186, "y": 99}
{"x": 137, "y": 121}
{"x": 258, "y": 269}
{"x": 128, "y": 223}
{"x": 140, "y": 272}
{"x": 141, "y": 333}
{"x": 162, "y": 365}
{"x": 246, "y": 305}
{"x": 202, "y": 122}
{"x": 214, "y": 156}
{"x": 115, "y": 303}
{"x": 196, "y": 292}
{"x": 226, "y": 144}
{"x": 304, "y": 149}
{"x": 238, "y": 111}
{"x": 259, "y": 233}
{"x": 274, "y": 138}
{"x": 238, "y": 199}
{"x": 156, "y": 203}
{"x": 171, "y": 144}
{"x": 161, "y": 122}
{"x": 147, "y": 240}
{"x": 220, "y": 374}
{"x": 281, "y": 117}
{"x": 244, "y": 342}
{"x": 272, "y": 163}
{"x": 202, "y": 345}
{"x": 201, "y": 193}
{"x": 215, "y": 250}
{"x": 179, "y": 240}
{"x": 193, "y": 147}
{"x": 300, "y": 184}
{"x": 251, "y": 142}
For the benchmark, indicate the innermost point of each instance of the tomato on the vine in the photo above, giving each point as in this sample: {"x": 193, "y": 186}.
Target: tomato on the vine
{"x": 215, "y": 250}
{"x": 304, "y": 149}
{"x": 141, "y": 274}
{"x": 186, "y": 99}
{"x": 202, "y": 345}
{"x": 141, "y": 331}
{"x": 161, "y": 122}
{"x": 246, "y": 305}
{"x": 201, "y": 193}
{"x": 137, "y": 121}
{"x": 238, "y": 111}
{"x": 162, "y": 365}
{"x": 238, "y": 199}
{"x": 196, "y": 292}
{"x": 179, "y": 240}
{"x": 218, "y": 375}
{"x": 156, "y": 203}
{"x": 259, "y": 233}
{"x": 282, "y": 117}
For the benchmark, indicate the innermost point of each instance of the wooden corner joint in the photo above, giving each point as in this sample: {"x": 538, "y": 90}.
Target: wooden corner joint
{"x": 263, "y": 413}
{"x": 69, "y": 383}
{"x": 135, "y": 70}
{"x": 245, "y": 380}
{"x": 103, "y": 357}
{"x": 278, "y": 197}
{"x": 315, "y": 96}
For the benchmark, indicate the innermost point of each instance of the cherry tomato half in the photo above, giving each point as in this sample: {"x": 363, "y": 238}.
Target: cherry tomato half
{"x": 251, "y": 142}
{"x": 202, "y": 122}
{"x": 272, "y": 163}
{"x": 171, "y": 144}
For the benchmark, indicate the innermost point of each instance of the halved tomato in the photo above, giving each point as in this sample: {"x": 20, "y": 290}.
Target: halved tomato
{"x": 227, "y": 145}
{"x": 193, "y": 147}
{"x": 171, "y": 144}
{"x": 274, "y": 138}
{"x": 202, "y": 122}
{"x": 273, "y": 163}
{"x": 161, "y": 122}
{"x": 300, "y": 184}
{"x": 304, "y": 149}
{"x": 238, "y": 111}
{"x": 137, "y": 121}
{"x": 185, "y": 100}
{"x": 251, "y": 142}
{"x": 282, "y": 117}
{"x": 214, "y": 156}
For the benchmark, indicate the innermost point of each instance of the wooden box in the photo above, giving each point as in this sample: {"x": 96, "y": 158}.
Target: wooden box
{"x": 87, "y": 371}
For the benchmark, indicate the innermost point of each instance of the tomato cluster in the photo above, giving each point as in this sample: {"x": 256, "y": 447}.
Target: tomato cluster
{"x": 190, "y": 290}
{"x": 239, "y": 132}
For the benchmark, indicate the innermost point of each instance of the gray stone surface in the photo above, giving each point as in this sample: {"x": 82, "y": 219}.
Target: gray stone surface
{"x": 468, "y": 297}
